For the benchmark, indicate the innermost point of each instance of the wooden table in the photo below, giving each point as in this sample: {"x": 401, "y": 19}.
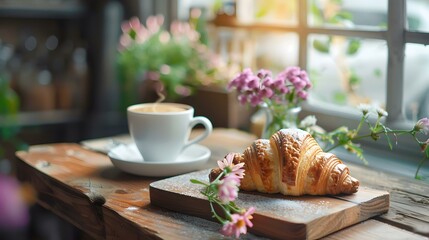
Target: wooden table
{"x": 82, "y": 186}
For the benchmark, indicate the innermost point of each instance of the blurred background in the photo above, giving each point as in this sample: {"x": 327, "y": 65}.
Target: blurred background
{"x": 67, "y": 72}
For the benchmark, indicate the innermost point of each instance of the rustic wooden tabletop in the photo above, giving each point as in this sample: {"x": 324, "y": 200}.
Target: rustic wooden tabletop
{"x": 79, "y": 183}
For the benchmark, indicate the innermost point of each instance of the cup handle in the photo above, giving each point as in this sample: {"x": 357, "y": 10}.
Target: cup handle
{"x": 208, "y": 129}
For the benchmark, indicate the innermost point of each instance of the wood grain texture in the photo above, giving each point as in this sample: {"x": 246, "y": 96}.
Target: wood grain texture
{"x": 84, "y": 188}
{"x": 409, "y": 198}
{"x": 373, "y": 229}
{"x": 277, "y": 216}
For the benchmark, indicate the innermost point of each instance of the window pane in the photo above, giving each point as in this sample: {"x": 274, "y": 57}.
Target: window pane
{"x": 275, "y": 50}
{"x": 347, "y": 71}
{"x": 348, "y": 13}
{"x": 417, "y": 15}
{"x": 416, "y": 86}
{"x": 284, "y": 12}
{"x": 256, "y": 49}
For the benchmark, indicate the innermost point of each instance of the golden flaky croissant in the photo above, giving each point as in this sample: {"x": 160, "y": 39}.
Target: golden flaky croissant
{"x": 291, "y": 162}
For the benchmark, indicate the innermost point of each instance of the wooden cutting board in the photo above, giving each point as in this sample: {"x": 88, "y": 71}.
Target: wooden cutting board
{"x": 276, "y": 216}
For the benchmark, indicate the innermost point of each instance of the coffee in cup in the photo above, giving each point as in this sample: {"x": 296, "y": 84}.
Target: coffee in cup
{"x": 159, "y": 108}
{"x": 161, "y": 130}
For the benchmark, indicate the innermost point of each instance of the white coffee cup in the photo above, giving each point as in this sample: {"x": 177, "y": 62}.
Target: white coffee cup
{"x": 161, "y": 130}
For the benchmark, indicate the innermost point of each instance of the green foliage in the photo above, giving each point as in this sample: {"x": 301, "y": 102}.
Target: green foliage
{"x": 354, "y": 79}
{"x": 347, "y": 138}
{"x": 377, "y": 72}
{"x": 340, "y": 17}
{"x": 340, "y": 97}
{"x": 9, "y": 107}
{"x": 353, "y": 46}
{"x": 177, "y": 60}
{"x": 322, "y": 46}
{"x": 316, "y": 12}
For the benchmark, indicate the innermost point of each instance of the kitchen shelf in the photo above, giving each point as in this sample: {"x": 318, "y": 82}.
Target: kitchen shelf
{"x": 36, "y": 118}
{"x": 24, "y": 9}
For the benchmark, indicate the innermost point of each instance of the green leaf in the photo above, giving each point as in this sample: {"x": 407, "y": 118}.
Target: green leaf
{"x": 379, "y": 128}
{"x": 197, "y": 182}
{"x": 358, "y": 151}
{"x": 353, "y": 46}
{"x": 388, "y": 140}
{"x": 323, "y": 47}
{"x": 344, "y": 15}
{"x": 354, "y": 79}
{"x": 340, "y": 98}
{"x": 377, "y": 72}
{"x": 217, "y": 5}
{"x": 316, "y": 12}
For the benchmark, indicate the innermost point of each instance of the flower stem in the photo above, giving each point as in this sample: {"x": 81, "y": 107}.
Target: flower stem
{"x": 416, "y": 175}
{"x": 221, "y": 220}
{"x": 365, "y": 136}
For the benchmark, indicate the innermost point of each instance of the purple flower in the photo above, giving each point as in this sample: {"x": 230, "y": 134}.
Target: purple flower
{"x": 242, "y": 98}
{"x": 241, "y": 79}
{"x": 238, "y": 224}
{"x": 262, "y": 73}
{"x": 268, "y": 82}
{"x": 289, "y": 87}
{"x": 278, "y": 83}
{"x": 303, "y": 95}
{"x": 422, "y": 125}
{"x": 13, "y": 210}
{"x": 292, "y": 71}
{"x": 267, "y": 93}
{"x": 300, "y": 84}
{"x": 252, "y": 83}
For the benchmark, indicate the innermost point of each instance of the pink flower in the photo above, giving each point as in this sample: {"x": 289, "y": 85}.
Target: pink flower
{"x": 238, "y": 224}
{"x": 227, "y": 163}
{"x": 242, "y": 98}
{"x": 255, "y": 100}
{"x": 262, "y": 73}
{"x": 422, "y": 125}
{"x": 303, "y": 95}
{"x": 263, "y": 88}
{"x": 267, "y": 82}
{"x": 292, "y": 71}
{"x": 132, "y": 24}
{"x": 240, "y": 80}
{"x": 253, "y": 83}
{"x": 13, "y": 209}
{"x": 228, "y": 188}
{"x": 154, "y": 23}
{"x": 267, "y": 93}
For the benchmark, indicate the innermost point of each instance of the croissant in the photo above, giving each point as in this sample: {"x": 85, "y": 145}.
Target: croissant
{"x": 292, "y": 162}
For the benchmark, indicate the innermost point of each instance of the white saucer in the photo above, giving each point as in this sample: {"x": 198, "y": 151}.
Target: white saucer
{"x": 128, "y": 158}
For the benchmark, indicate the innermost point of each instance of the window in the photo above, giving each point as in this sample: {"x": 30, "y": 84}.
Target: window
{"x": 355, "y": 52}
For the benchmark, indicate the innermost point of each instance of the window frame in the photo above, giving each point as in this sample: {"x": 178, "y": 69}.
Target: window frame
{"x": 396, "y": 36}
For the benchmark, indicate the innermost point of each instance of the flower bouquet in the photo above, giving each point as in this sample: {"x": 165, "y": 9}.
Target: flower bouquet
{"x": 222, "y": 192}
{"x": 174, "y": 61}
{"x": 279, "y": 96}
{"x": 290, "y": 88}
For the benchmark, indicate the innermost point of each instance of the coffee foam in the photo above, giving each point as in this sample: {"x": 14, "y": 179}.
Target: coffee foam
{"x": 159, "y": 108}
